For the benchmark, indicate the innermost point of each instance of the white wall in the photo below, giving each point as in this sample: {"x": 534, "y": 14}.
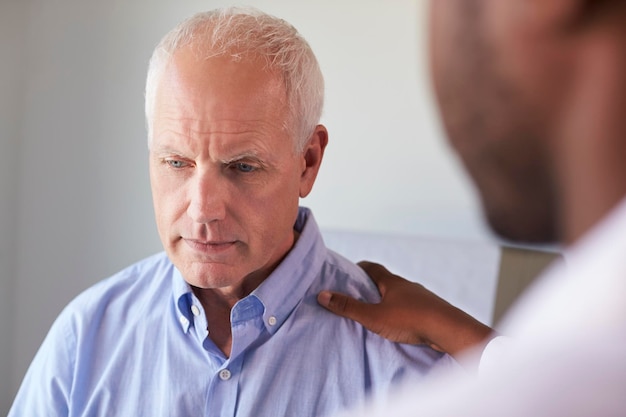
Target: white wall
{"x": 11, "y": 23}
{"x": 75, "y": 203}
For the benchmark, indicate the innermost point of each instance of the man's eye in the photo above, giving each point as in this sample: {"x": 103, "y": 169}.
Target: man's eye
{"x": 175, "y": 163}
{"x": 243, "y": 167}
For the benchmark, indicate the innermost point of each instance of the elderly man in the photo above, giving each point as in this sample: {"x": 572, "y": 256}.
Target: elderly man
{"x": 225, "y": 322}
{"x": 532, "y": 95}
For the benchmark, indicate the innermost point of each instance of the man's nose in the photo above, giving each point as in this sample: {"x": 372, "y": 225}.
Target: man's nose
{"x": 208, "y": 194}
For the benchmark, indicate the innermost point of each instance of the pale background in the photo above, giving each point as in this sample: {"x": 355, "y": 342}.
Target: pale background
{"x": 75, "y": 205}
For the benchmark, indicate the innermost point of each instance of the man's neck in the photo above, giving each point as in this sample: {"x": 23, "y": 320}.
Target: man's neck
{"x": 217, "y": 304}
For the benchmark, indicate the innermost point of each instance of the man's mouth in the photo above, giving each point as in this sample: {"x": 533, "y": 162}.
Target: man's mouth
{"x": 211, "y": 246}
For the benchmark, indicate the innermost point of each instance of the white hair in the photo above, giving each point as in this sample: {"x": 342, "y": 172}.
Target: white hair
{"x": 241, "y": 31}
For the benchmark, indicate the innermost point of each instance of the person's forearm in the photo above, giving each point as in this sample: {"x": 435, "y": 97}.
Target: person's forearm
{"x": 458, "y": 332}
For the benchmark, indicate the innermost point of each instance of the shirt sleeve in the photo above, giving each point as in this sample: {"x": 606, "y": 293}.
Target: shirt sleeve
{"x": 493, "y": 354}
{"x": 47, "y": 385}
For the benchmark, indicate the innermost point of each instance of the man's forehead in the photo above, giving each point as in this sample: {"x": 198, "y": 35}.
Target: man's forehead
{"x": 192, "y": 72}
{"x": 220, "y": 146}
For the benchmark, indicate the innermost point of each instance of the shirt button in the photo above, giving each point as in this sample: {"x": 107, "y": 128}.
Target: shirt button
{"x": 225, "y": 375}
{"x": 195, "y": 310}
{"x": 272, "y": 320}
{"x": 183, "y": 321}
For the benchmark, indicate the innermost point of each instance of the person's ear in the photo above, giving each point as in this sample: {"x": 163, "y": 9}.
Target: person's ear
{"x": 312, "y": 159}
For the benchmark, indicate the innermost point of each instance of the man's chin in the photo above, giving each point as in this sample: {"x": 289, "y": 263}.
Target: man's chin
{"x": 523, "y": 230}
{"x": 209, "y": 274}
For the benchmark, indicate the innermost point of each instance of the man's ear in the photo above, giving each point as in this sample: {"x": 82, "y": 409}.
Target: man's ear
{"x": 312, "y": 159}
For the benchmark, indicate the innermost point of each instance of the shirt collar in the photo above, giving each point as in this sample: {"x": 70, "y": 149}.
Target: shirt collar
{"x": 288, "y": 283}
{"x": 182, "y": 298}
{"x": 281, "y": 291}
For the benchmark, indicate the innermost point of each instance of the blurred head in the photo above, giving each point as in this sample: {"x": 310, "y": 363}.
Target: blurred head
{"x": 226, "y": 177}
{"x": 494, "y": 95}
{"x": 526, "y": 89}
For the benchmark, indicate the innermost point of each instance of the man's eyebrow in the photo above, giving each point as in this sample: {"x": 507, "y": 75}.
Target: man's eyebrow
{"x": 242, "y": 155}
{"x": 165, "y": 150}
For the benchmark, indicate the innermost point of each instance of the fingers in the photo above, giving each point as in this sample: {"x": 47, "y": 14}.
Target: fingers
{"x": 378, "y": 274}
{"x": 347, "y": 307}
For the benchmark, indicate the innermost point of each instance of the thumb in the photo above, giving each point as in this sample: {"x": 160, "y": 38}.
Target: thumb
{"x": 345, "y": 306}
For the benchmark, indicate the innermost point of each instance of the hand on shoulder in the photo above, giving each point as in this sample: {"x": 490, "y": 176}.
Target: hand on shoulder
{"x": 409, "y": 313}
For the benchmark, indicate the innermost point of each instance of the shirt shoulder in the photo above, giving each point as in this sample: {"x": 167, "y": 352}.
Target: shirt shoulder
{"x": 82, "y": 333}
{"x": 128, "y": 294}
{"x": 134, "y": 282}
{"x": 342, "y": 275}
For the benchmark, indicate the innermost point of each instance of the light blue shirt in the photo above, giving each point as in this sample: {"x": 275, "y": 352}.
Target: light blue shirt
{"x": 137, "y": 344}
